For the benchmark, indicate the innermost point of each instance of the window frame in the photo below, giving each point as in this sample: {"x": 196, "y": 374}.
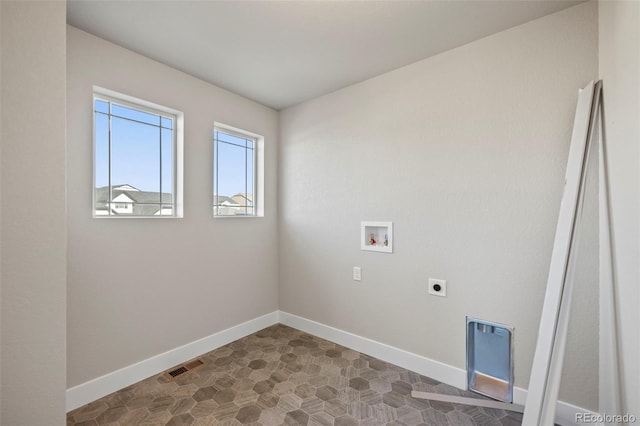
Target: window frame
{"x": 258, "y": 169}
{"x": 142, "y": 105}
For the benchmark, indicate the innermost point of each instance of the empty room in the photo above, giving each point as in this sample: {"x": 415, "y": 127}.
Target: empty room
{"x": 320, "y": 212}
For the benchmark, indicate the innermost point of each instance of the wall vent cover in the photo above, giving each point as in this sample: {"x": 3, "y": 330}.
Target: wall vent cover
{"x": 178, "y": 371}
{"x": 490, "y": 359}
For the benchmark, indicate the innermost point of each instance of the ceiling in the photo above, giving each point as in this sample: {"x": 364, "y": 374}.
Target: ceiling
{"x": 281, "y": 53}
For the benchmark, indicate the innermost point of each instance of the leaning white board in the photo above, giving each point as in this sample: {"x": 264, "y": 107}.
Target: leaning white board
{"x": 552, "y": 333}
{"x": 477, "y": 402}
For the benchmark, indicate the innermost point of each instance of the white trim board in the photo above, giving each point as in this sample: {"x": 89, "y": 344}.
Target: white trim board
{"x": 92, "y": 390}
{"x": 454, "y": 376}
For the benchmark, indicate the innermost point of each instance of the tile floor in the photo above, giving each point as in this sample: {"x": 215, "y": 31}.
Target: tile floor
{"x": 283, "y": 376}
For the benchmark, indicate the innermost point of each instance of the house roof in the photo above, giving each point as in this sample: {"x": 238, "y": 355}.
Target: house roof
{"x": 243, "y": 199}
{"x": 220, "y": 199}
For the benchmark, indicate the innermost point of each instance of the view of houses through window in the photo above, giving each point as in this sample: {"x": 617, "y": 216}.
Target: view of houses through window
{"x": 134, "y": 166}
{"x": 129, "y": 200}
{"x": 135, "y": 150}
{"x": 234, "y": 173}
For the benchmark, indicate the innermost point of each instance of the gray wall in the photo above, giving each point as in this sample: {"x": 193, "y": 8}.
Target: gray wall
{"x": 620, "y": 72}
{"x": 33, "y": 271}
{"x": 140, "y": 287}
{"x": 465, "y": 152}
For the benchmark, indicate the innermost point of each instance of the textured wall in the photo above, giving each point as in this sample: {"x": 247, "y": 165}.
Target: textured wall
{"x": 176, "y": 280}
{"x": 33, "y": 213}
{"x": 465, "y": 152}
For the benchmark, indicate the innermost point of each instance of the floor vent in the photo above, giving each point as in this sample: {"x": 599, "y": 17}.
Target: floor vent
{"x": 191, "y": 365}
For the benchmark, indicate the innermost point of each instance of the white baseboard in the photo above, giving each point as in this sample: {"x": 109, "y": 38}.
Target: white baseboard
{"x": 427, "y": 367}
{"x": 87, "y": 392}
{"x": 92, "y": 390}
{"x": 454, "y": 376}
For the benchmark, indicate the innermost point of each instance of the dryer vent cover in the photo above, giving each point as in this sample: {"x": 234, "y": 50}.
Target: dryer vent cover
{"x": 490, "y": 359}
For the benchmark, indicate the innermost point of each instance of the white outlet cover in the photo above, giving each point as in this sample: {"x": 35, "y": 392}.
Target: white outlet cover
{"x": 357, "y": 273}
{"x": 443, "y": 287}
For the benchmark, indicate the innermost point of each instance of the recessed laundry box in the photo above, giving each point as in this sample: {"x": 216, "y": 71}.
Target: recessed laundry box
{"x": 490, "y": 359}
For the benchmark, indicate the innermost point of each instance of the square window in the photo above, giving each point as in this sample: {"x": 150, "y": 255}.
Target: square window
{"x": 137, "y": 157}
{"x": 237, "y": 178}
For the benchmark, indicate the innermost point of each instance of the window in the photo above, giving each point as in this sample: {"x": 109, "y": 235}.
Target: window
{"x": 237, "y": 168}
{"x": 137, "y": 157}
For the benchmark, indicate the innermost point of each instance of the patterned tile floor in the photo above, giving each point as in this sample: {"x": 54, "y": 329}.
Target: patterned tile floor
{"x": 282, "y": 376}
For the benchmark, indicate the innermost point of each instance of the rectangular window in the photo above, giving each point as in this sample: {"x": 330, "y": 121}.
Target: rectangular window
{"x": 137, "y": 157}
{"x": 236, "y": 181}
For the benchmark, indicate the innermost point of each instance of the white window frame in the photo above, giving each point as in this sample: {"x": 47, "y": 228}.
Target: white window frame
{"x": 100, "y": 93}
{"x": 258, "y": 169}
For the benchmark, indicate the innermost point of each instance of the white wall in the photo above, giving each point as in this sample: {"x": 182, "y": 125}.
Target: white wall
{"x": 619, "y": 25}
{"x": 33, "y": 271}
{"x": 179, "y": 279}
{"x": 465, "y": 152}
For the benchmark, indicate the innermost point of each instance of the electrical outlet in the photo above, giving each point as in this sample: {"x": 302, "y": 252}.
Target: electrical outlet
{"x": 357, "y": 273}
{"x": 438, "y": 287}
